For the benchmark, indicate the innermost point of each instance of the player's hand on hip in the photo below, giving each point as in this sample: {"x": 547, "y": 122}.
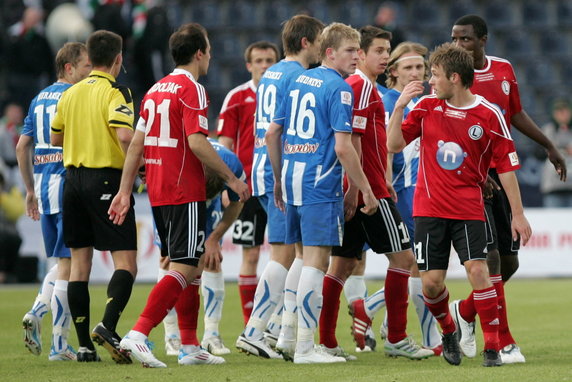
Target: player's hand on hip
{"x": 240, "y": 188}
{"x": 520, "y": 226}
{"x": 119, "y": 207}
{"x": 32, "y": 206}
{"x": 558, "y": 162}
{"x": 371, "y": 203}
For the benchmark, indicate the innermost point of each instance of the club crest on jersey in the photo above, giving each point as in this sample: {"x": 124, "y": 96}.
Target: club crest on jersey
{"x": 346, "y": 98}
{"x": 505, "y": 86}
{"x": 359, "y": 122}
{"x": 450, "y": 155}
{"x": 475, "y": 132}
{"x": 124, "y": 109}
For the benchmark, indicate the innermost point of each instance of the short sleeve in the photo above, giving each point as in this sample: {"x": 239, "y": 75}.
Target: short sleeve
{"x": 120, "y": 112}
{"x": 411, "y": 126}
{"x": 229, "y": 119}
{"x": 194, "y": 110}
{"x": 28, "y": 128}
{"x": 58, "y": 122}
{"x": 340, "y": 108}
{"x": 361, "y": 111}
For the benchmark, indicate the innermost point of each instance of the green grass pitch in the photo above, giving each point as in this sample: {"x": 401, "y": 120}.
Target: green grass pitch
{"x": 540, "y": 313}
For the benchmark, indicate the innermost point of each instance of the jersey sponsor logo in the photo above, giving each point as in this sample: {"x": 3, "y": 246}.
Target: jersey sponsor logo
{"x": 513, "y": 157}
{"x": 505, "y": 86}
{"x": 157, "y": 161}
{"x": 346, "y": 97}
{"x": 455, "y": 114}
{"x": 475, "y": 132}
{"x": 359, "y": 122}
{"x": 47, "y": 158}
{"x": 306, "y": 148}
{"x": 450, "y": 155}
{"x": 203, "y": 122}
{"x": 124, "y": 109}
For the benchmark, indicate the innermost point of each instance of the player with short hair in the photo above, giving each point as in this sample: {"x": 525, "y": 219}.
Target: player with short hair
{"x": 495, "y": 80}
{"x": 316, "y": 115}
{"x": 94, "y": 124}
{"x": 235, "y": 131}
{"x": 172, "y": 135}
{"x": 300, "y": 38}
{"x": 407, "y": 63}
{"x": 384, "y": 231}
{"x": 43, "y": 175}
{"x": 461, "y": 134}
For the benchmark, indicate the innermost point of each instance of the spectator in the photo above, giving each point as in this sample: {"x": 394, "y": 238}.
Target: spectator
{"x": 559, "y": 131}
{"x": 29, "y": 59}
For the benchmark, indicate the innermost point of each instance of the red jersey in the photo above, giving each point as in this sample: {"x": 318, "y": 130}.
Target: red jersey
{"x": 457, "y": 146}
{"x": 173, "y": 109}
{"x": 236, "y": 121}
{"x": 497, "y": 83}
{"x": 368, "y": 120}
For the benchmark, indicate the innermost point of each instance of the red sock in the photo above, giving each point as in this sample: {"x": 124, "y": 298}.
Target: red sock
{"x": 487, "y": 309}
{"x": 396, "y": 302}
{"x": 467, "y": 308}
{"x": 188, "y": 313}
{"x": 161, "y": 299}
{"x": 505, "y": 337}
{"x": 330, "y": 307}
{"x": 247, "y": 289}
{"x": 439, "y": 308}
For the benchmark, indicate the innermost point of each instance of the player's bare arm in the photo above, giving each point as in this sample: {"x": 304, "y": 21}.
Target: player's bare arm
{"x": 274, "y": 147}
{"x": 56, "y": 139}
{"x": 519, "y": 224}
{"x": 24, "y": 156}
{"x": 227, "y": 142}
{"x": 122, "y": 201}
{"x": 526, "y": 125}
{"x": 208, "y": 155}
{"x": 125, "y": 135}
{"x": 213, "y": 252}
{"x": 395, "y": 140}
{"x": 350, "y": 161}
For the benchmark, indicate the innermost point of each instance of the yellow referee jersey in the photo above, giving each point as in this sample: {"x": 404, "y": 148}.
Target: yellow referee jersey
{"x": 88, "y": 114}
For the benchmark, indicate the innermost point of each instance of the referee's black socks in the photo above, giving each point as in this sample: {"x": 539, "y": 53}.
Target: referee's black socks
{"x": 78, "y": 300}
{"x": 118, "y": 293}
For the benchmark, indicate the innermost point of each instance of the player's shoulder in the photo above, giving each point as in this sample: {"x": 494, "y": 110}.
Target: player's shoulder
{"x": 489, "y": 107}
{"x": 428, "y": 100}
{"x": 497, "y": 64}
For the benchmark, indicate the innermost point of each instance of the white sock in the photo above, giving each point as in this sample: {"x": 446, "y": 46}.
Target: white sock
{"x": 61, "y": 316}
{"x": 374, "y": 303}
{"x": 355, "y": 288}
{"x": 266, "y": 298}
{"x": 290, "y": 312}
{"x": 212, "y": 289}
{"x": 309, "y": 299}
{"x": 136, "y": 336}
{"x": 275, "y": 322}
{"x": 430, "y": 333}
{"x": 43, "y": 299}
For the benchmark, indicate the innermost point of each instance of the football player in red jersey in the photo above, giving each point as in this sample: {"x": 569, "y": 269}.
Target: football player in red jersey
{"x": 495, "y": 80}
{"x": 461, "y": 135}
{"x": 172, "y": 135}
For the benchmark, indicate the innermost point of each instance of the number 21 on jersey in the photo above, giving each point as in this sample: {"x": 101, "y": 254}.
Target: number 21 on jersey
{"x": 164, "y": 139}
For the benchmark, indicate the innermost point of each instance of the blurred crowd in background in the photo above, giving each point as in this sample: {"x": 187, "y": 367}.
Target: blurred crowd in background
{"x": 535, "y": 36}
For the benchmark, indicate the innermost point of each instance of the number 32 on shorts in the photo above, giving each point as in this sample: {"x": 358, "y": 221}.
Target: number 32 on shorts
{"x": 243, "y": 231}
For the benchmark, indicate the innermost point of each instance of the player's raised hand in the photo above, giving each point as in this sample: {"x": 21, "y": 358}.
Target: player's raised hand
{"x": 240, "y": 188}
{"x": 520, "y": 226}
{"x": 119, "y": 207}
{"x": 558, "y": 162}
{"x": 371, "y": 203}
{"x": 32, "y": 206}
{"x": 412, "y": 90}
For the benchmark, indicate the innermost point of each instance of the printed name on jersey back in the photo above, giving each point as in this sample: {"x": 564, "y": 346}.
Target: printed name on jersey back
{"x": 455, "y": 114}
{"x": 49, "y": 95}
{"x": 272, "y": 75}
{"x": 165, "y": 87}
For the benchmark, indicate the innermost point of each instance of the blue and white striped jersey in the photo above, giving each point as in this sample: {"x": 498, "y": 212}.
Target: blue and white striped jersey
{"x": 406, "y": 162}
{"x": 318, "y": 104}
{"x": 49, "y": 171}
{"x": 269, "y": 95}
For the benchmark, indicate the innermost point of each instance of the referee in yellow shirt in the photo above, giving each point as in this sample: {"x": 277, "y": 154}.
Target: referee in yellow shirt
{"x": 94, "y": 124}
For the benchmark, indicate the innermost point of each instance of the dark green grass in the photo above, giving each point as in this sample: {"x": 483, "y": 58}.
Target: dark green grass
{"x": 540, "y": 315}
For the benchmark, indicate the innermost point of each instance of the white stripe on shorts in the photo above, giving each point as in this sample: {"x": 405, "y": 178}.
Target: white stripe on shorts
{"x": 390, "y": 225}
{"x": 193, "y": 229}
